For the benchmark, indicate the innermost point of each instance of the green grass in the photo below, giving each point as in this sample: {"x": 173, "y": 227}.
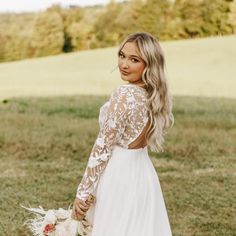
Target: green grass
{"x": 198, "y": 67}
{"x": 45, "y": 144}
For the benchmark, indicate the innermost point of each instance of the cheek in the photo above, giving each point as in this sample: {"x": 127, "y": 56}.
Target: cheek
{"x": 139, "y": 69}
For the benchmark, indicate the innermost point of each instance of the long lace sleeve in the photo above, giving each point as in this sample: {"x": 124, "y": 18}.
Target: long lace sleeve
{"x": 110, "y": 132}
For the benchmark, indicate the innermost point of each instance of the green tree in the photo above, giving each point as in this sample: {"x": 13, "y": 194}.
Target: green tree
{"x": 79, "y": 35}
{"x": 215, "y": 15}
{"x": 48, "y": 34}
{"x": 153, "y": 17}
{"x": 232, "y": 15}
{"x": 71, "y": 19}
{"x": 127, "y": 20}
{"x": 2, "y": 47}
{"x": 106, "y": 29}
{"x": 190, "y": 12}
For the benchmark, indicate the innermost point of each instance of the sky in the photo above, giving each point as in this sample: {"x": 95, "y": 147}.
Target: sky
{"x": 36, "y": 5}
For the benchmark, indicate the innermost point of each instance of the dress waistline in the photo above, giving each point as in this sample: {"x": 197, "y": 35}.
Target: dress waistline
{"x": 144, "y": 149}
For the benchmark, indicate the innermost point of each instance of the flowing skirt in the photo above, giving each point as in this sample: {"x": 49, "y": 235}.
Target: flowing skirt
{"x": 129, "y": 199}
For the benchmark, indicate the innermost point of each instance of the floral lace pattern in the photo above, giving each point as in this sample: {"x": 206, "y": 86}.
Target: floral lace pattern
{"x": 121, "y": 119}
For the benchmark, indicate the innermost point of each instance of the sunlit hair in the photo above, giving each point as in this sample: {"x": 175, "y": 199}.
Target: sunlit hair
{"x": 159, "y": 99}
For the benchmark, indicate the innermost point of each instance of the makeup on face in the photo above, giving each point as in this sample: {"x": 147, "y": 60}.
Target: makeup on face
{"x": 131, "y": 65}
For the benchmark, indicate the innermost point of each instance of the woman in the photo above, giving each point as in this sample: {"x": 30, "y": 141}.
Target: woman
{"x": 120, "y": 174}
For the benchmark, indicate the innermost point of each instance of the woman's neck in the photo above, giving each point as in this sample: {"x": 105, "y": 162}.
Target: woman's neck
{"x": 140, "y": 84}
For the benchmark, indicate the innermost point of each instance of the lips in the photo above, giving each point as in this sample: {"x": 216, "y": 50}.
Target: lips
{"x": 123, "y": 72}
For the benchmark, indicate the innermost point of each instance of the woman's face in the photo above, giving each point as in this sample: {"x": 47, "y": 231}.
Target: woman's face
{"x": 131, "y": 65}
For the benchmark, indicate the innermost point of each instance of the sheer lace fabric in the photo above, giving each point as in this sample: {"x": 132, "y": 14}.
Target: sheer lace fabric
{"x": 121, "y": 119}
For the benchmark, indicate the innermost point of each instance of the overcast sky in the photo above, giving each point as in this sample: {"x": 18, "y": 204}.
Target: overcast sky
{"x": 35, "y": 5}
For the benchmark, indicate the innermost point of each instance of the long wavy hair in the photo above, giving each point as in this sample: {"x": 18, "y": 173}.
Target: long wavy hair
{"x": 159, "y": 98}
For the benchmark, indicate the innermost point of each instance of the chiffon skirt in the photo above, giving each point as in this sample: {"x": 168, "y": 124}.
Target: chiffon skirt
{"x": 129, "y": 199}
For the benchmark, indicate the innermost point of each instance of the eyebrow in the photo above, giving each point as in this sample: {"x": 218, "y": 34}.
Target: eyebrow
{"x": 131, "y": 55}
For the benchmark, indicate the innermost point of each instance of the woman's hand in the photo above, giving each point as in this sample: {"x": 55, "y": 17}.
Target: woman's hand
{"x": 80, "y": 208}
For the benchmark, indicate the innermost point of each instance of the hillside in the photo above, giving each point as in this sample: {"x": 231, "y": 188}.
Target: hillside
{"x": 199, "y": 67}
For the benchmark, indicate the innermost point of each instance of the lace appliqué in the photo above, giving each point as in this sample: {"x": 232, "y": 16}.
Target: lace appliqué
{"x": 121, "y": 120}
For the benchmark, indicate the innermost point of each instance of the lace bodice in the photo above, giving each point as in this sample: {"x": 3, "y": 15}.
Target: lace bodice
{"x": 121, "y": 119}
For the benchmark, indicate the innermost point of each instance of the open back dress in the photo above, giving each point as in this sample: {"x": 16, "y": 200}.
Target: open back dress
{"x": 120, "y": 174}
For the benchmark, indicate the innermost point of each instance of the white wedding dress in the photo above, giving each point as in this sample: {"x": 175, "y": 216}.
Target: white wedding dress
{"x": 129, "y": 200}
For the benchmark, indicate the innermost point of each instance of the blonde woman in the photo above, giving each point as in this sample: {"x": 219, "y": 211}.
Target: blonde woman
{"x": 119, "y": 173}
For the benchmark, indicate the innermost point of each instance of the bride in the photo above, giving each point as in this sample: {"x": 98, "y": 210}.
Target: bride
{"x": 119, "y": 173}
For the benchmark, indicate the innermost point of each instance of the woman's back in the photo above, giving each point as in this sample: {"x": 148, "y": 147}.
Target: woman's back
{"x": 137, "y": 122}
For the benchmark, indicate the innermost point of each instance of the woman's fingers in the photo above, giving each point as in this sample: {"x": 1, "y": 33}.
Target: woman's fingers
{"x": 79, "y": 217}
{"x": 73, "y": 214}
{"x": 76, "y": 214}
{"x": 90, "y": 202}
{"x": 84, "y": 208}
{"x": 81, "y": 207}
{"x": 79, "y": 210}
{"x": 84, "y": 204}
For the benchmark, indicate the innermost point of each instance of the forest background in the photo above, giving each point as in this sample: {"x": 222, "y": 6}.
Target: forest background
{"x": 62, "y": 30}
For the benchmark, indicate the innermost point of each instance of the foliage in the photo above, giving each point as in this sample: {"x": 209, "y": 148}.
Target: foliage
{"x": 72, "y": 19}
{"x": 153, "y": 17}
{"x": 15, "y": 34}
{"x": 215, "y": 15}
{"x": 48, "y": 34}
{"x": 105, "y": 30}
{"x": 232, "y": 15}
{"x": 59, "y": 30}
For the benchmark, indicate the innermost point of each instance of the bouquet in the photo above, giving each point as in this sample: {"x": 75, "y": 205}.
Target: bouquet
{"x": 57, "y": 223}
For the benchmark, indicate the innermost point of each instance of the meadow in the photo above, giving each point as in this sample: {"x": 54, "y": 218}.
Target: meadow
{"x": 49, "y": 109}
{"x": 45, "y": 144}
{"x": 196, "y": 67}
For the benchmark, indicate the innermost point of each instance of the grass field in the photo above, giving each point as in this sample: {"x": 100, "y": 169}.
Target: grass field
{"x": 46, "y": 137}
{"x": 199, "y": 67}
{"x": 45, "y": 144}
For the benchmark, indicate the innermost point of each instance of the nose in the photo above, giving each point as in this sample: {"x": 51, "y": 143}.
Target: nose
{"x": 124, "y": 64}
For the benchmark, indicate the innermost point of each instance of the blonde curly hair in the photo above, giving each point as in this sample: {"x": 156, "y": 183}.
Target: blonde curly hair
{"x": 159, "y": 99}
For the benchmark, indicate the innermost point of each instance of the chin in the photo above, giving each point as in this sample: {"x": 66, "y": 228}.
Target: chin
{"x": 123, "y": 78}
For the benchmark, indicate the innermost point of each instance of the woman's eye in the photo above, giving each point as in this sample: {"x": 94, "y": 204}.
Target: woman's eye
{"x": 134, "y": 60}
{"x": 121, "y": 55}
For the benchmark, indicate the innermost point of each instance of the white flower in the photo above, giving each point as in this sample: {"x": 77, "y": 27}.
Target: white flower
{"x": 68, "y": 227}
{"x": 50, "y": 217}
{"x": 62, "y": 213}
{"x": 60, "y": 230}
{"x": 73, "y": 227}
{"x": 65, "y": 226}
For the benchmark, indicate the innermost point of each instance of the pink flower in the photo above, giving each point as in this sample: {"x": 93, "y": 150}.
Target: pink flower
{"x": 49, "y": 228}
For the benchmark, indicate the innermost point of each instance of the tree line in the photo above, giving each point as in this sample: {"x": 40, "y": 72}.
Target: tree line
{"x": 62, "y": 30}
